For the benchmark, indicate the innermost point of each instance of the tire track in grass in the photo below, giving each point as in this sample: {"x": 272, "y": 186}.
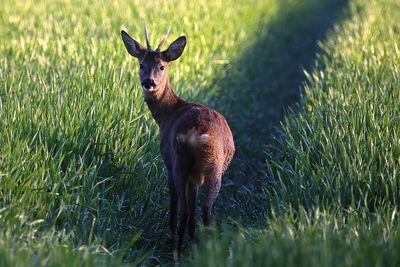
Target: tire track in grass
{"x": 255, "y": 91}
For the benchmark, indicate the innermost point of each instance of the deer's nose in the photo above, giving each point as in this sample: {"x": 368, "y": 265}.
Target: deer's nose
{"x": 148, "y": 83}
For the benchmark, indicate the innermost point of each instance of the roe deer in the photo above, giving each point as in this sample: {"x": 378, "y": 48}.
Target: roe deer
{"x": 196, "y": 142}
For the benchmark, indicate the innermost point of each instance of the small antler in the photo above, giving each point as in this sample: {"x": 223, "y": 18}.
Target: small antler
{"x": 163, "y": 40}
{"x": 147, "y": 37}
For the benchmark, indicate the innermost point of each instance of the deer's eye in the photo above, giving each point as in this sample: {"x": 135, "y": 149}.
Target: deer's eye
{"x": 140, "y": 66}
{"x": 162, "y": 67}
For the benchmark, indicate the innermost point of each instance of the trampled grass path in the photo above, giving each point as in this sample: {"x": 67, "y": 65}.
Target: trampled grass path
{"x": 259, "y": 88}
{"x": 81, "y": 178}
{"x": 335, "y": 170}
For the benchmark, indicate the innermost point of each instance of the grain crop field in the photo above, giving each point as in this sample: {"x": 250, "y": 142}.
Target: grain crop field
{"x": 311, "y": 89}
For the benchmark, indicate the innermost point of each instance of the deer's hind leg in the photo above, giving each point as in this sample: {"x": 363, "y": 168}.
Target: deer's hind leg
{"x": 192, "y": 192}
{"x": 212, "y": 184}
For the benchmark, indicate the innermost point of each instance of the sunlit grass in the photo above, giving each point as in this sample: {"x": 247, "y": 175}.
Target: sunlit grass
{"x": 333, "y": 171}
{"x": 81, "y": 179}
{"x": 80, "y": 170}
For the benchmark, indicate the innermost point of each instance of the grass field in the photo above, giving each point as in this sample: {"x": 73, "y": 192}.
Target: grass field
{"x": 315, "y": 181}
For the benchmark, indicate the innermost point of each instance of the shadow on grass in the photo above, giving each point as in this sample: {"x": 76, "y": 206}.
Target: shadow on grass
{"x": 253, "y": 92}
{"x": 256, "y": 90}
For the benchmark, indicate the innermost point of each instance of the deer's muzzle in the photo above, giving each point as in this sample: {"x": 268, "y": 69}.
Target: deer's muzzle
{"x": 149, "y": 84}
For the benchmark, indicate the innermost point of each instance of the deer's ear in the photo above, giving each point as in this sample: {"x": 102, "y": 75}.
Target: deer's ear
{"x": 175, "y": 49}
{"x": 134, "y": 48}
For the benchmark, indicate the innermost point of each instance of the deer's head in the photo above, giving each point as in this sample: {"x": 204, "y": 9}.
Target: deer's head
{"x": 153, "y": 64}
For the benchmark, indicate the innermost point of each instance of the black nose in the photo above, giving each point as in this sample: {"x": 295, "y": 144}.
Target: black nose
{"x": 148, "y": 83}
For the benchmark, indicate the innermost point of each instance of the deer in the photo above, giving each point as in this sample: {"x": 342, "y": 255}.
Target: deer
{"x": 196, "y": 142}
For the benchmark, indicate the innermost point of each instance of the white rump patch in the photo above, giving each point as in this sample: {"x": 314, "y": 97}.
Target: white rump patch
{"x": 193, "y": 138}
{"x": 197, "y": 140}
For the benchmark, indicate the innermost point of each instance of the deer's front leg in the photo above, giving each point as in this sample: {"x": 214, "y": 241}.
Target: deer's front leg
{"x": 173, "y": 213}
{"x": 180, "y": 181}
{"x": 173, "y": 205}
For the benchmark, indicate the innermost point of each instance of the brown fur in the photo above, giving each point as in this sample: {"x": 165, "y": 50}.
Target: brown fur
{"x": 196, "y": 142}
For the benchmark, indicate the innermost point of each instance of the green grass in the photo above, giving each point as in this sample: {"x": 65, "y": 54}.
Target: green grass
{"x": 344, "y": 148}
{"x": 79, "y": 163}
{"x": 332, "y": 174}
{"x": 81, "y": 179}
{"x": 324, "y": 238}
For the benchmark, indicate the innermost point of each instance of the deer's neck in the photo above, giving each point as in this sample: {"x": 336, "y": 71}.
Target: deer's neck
{"x": 163, "y": 105}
